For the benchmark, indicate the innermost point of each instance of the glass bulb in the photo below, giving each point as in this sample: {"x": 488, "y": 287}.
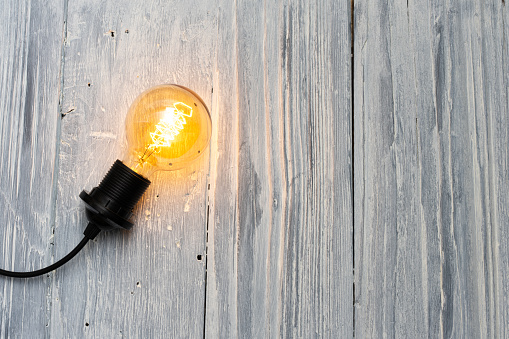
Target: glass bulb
{"x": 167, "y": 127}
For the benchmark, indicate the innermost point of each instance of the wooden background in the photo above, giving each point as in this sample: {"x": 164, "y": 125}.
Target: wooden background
{"x": 356, "y": 184}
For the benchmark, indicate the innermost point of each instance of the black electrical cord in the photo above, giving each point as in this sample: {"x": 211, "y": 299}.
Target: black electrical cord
{"x": 90, "y": 232}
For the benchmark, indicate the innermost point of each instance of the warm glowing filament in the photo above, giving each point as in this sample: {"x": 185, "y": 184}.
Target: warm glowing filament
{"x": 166, "y": 130}
{"x": 170, "y": 125}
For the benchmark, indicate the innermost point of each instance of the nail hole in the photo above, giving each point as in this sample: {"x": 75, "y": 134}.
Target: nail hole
{"x": 88, "y": 84}
{"x": 126, "y": 31}
{"x": 138, "y": 283}
{"x": 198, "y": 257}
{"x": 112, "y": 34}
{"x": 86, "y": 324}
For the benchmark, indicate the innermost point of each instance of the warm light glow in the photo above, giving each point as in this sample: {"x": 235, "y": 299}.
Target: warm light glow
{"x": 166, "y": 130}
{"x": 167, "y": 127}
{"x": 170, "y": 125}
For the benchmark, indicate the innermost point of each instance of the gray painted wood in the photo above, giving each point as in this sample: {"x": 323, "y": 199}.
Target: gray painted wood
{"x": 431, "y": 180}
{"x": 271, "y": 201}
{"x": 147, "y": 282}
{"x": 30, "y": 61}
{"x": 497, "y": 99}
{"x": 279, "y": 258}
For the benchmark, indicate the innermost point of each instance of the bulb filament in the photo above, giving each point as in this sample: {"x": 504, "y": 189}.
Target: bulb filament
{"x": 170, "y": 125}
{"x": 167, "y": 129}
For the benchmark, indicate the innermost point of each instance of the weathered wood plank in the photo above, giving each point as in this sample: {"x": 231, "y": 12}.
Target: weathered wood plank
{"x": 147, "y": 282}
{"x": 30, "y": 61}
{"x": 279, "y": 258}
{"x": 428, "y": 95}
{"x": 496, "y": 100}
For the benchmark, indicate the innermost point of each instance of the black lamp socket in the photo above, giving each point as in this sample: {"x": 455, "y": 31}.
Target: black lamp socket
{"x": 110, "y": 205}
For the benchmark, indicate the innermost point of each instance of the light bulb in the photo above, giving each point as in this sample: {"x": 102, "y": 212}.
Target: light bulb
{"x": 167, "y": 127}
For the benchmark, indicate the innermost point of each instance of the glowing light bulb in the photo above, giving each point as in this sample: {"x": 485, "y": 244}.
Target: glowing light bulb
{"x": 167, "y": 127}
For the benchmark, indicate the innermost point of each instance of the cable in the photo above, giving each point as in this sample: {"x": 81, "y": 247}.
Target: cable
{"x": 90, "y": 232}
{"x": 49, "y": 268}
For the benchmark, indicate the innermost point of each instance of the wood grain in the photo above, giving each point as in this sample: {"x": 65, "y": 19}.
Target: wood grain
{"x": 430, "y": 116}
{"x": 147, "y": 282}
{"x": 269, "y": 208}
{"x": 496, "y": 82}
{"x": 279, "y": 258}
{"x": 30, "y": 61}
